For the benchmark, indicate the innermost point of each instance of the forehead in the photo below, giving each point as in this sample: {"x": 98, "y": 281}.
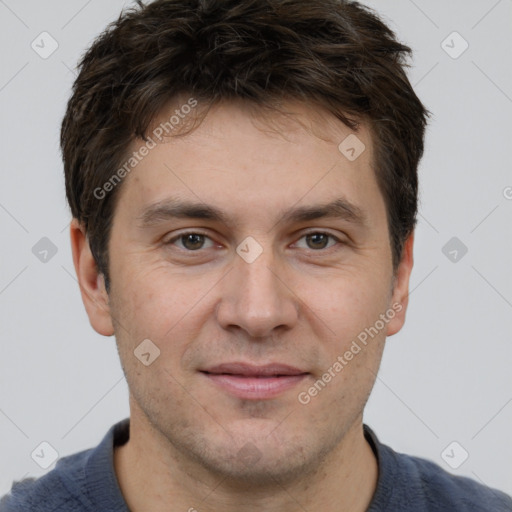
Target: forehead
{"x": 239, "y": 156}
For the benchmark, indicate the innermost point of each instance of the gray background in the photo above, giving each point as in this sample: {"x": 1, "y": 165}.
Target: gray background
{"x": 446, "y": 377}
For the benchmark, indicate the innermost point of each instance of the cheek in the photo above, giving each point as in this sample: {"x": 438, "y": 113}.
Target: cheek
{"x": 347, "y": 302}
{"x": 155, "y": 298}
{"x": 170, "y": 308}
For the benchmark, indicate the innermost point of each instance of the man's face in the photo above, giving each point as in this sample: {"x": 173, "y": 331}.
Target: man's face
{"x": 298, "y": 292}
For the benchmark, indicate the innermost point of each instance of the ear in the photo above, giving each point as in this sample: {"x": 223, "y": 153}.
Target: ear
{"x": 400, "y": 296}
{"x": 92, "y": 284}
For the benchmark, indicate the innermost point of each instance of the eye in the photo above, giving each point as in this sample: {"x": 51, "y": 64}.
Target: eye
{"x": 319, "y": 240}
{"x": 191, "y": 241}
{"x": 194, "y": 241}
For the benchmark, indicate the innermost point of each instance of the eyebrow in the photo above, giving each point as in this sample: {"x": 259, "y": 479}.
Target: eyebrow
{"x": 174, "y": 208}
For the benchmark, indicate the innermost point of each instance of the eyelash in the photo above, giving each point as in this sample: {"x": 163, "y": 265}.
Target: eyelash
{"x": 326, "y": 249}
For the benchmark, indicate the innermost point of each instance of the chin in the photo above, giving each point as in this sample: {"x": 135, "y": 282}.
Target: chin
{"x": 245, "y": 459}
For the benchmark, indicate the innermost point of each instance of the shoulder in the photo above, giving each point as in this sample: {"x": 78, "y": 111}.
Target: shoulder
{"x": 413, "y": 483}
{"x": 80, "y": 482}
{"x": 442, "y": 490}
{"x": 59, "y": 489}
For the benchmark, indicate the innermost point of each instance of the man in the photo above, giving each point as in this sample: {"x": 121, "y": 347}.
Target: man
{"x": 243, "y": 183}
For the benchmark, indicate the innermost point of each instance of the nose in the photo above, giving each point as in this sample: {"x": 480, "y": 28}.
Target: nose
{"x": 257, "y": 298}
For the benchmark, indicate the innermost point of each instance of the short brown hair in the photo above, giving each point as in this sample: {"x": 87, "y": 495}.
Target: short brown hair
{"x": 335, "y": 54}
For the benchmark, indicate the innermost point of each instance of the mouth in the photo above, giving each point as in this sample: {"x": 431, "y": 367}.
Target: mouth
{"x": 247, "y": 381}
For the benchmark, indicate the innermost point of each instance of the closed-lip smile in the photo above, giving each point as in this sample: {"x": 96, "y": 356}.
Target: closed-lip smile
{"x": 248, "y": 381}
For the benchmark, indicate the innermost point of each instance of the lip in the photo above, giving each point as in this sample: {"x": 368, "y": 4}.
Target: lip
{"x": 251, "y": 370}
{"x": 248, "y": 381}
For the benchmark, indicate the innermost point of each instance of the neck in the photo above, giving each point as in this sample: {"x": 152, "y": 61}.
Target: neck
{"x": 154, "y": 476}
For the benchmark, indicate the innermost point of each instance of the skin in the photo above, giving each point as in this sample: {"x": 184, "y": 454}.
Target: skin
{"x": 298, "y": 303}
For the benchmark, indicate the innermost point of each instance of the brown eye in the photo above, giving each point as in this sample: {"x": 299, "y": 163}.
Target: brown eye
{"x": 317, "y": 240}
{"x": 192, "y": 241}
